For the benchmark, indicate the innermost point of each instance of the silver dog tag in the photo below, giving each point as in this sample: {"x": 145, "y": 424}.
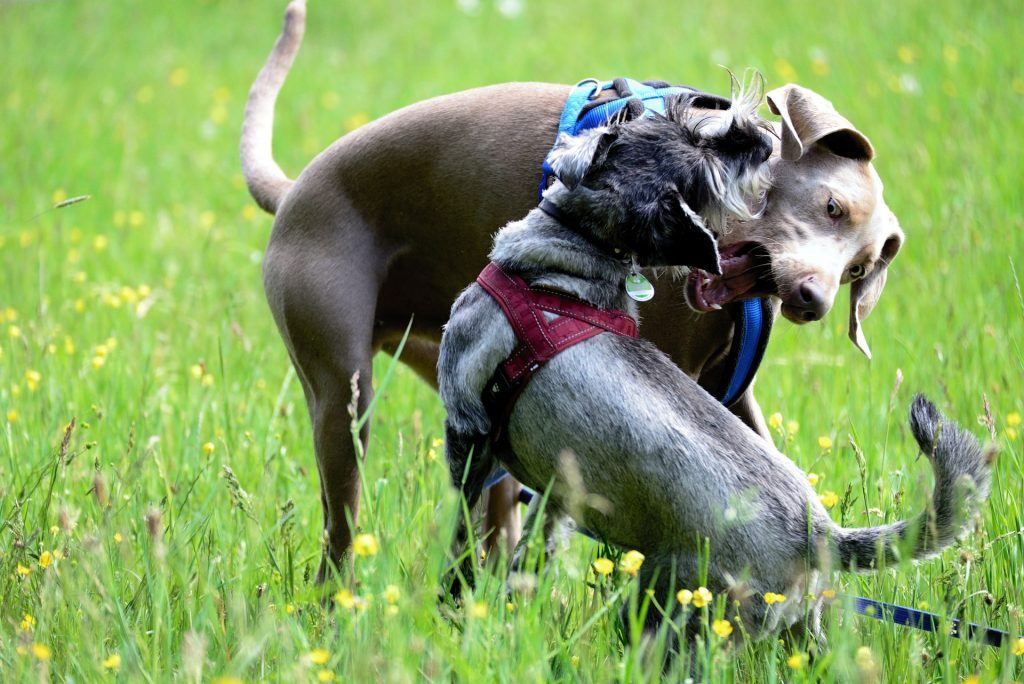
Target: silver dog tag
{"x": 639, "y": 288}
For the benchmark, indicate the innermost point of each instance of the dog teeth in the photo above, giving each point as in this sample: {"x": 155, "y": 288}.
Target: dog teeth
{"x": 716, "y": 307}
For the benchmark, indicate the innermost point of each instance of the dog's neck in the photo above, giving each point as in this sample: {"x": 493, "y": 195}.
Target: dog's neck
{"x": 548, "y": 253}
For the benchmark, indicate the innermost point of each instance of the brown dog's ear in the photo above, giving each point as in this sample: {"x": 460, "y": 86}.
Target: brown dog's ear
{"x": 864, "y": 293}
{"x": 808, "y": 118}
{"x": 573, "y": 155}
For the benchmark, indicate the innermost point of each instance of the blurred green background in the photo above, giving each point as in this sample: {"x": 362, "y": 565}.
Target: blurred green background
{"x": 140, "y": 313}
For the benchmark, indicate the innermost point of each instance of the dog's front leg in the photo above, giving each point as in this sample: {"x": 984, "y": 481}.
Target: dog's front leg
{"x": 469, "y": 460}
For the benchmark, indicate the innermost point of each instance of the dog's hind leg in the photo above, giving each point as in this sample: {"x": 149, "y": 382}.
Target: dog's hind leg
{"x": 323, "y": 295}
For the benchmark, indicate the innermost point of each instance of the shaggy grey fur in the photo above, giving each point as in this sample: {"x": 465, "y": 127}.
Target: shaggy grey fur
{"x": 659, "y": 465}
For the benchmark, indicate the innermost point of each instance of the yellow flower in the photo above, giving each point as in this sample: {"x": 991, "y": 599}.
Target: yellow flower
{"x": 208, "y": 448}
{"x": 13, "y": 331}
{"x": 972, "y": 679}
{"x": 1013, "y": 419}
{"x": 365, "y": 545}
{"x": 59, "y": 195}
{"x": 111, "y": 662}
{"x": 814, "y": 479}
{"x": 41, "y": 651}
{"x": 32, "y": 378}
{"x": 478, "y": 610}
{"x": 12, "y": 416}
{"x": 319, "y": 656}
{"x": 510, "y": 607}
{"x": 45, "y": 559}
{"x": 356, "y": 120}
{"x": 207, "y": 380}
{"x": 792, "y": 427}
{"x": 391, "y": 610}
{"x": 79, "y": 307}
{"x": 770, "y": 598}
{"x": 345, "y": 599}
{"x": 684, "y": 596}
{"x": 100, "y": 242}
{"x": 1018, "y": 648}
{"x": 196, "y": 371}
{"x": 829, "y": 499}
{"x": 392, "y": 594}
{"x": 603, "y": 566}
{"x": 825, "y": 442}
{"x": 98, "y": 361}
{"x": 702, "y": 597}
{"x": 722, "y": 628}
{"x": 118, "y": 537}
{"x": 135, "y": 218}
{"x": 28, "y": 623}
{"x": 785, "y": 69}
{"x": 178, "y": 77}
{"x": 950, "y": 54}
{"x": 797, "y": 660}
{"x": 207, "y": 219}
{"x": 1011, "y": 433}
{"x": 249, "y": 212}
{"x": 775, "y": 421}
{"x": 829, "y": 594}
{"x": 325, "y": 676}
{"x": 23, "y": 571}
{"x": 631, "y": 562}
{"x": 906, "y": 54}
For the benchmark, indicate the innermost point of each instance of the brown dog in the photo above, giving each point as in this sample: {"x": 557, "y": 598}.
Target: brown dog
{"x": 394, "y": 219}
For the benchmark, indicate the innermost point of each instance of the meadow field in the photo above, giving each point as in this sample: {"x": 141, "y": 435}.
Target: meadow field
{"x": 159, "y": 508}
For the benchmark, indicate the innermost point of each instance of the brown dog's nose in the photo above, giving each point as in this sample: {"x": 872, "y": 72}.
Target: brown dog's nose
{"x": 810, "y": 300}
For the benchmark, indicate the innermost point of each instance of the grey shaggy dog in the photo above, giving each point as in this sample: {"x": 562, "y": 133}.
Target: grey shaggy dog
{"x": 656, "y": 464}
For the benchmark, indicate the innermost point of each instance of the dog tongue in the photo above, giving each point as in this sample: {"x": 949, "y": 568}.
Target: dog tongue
{"x": 738, "y": 277}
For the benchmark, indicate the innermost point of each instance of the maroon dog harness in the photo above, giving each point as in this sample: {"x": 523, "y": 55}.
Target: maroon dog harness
{"x": 539, "y": 339}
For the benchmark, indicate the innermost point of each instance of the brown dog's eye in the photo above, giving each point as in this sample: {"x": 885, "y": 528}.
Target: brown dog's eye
{"x": 857, "y": 271}
{"x": 833, "y": 208}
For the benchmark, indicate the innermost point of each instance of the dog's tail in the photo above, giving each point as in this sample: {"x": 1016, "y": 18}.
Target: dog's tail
{"x": 267, "y": 182}
{"x": 962, "y": 471}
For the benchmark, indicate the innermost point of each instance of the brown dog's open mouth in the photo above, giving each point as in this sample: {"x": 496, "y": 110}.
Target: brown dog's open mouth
{"x": 746, "y": 273}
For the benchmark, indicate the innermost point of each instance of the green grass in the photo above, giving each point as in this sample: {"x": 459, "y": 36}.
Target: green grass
{"x": 169, "y": 567}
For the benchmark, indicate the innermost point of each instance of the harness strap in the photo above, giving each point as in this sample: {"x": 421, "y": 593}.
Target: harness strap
{"x": 539, "y": 338}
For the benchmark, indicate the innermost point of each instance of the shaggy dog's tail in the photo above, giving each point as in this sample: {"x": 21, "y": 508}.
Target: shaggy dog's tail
{"x": 267, "y": 182}
{"x": 962, "y": 472}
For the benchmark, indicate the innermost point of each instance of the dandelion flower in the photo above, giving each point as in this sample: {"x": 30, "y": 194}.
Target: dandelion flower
{"x": 249, "y": 212}
{"x": 392, "y": 594}
{"x": 478, "y": 610}
{"x": 178, "y": 77}
{"x": 1013, "y": 419}
{"x": 196, "y": 371}
{"x": 325, "y": 676}
{"x": 771, "y": 597}
{"x": 12, "y": 416}
{"x": 510, "y": 607}
{"x": 603, "y": 566}
{"x": 813, "y": 479}
{"x": 702, "y": 597}
{"x": 13, "y": 331}
{"x": 1018, "y": 648}
{"x": 319, "y": 656}
{"x": 825, "y": 442}
{"x": 41, "y": 651}
{"x": 45, "y": 559}
{"x": 118, "y": 537}
{"x": 722, "y": 628}
{"x": 797, "y": 660}
{"x": 905, "y": 54}
{"x": 1011, "y": 434}
{"x": 23, "y": 571}
{"x": 631, "y": 562}
{"x": 208, "y": 448}
{"x": 775, "y": 421}
{"x": 345, "y": 599}
{"x": 792, "y": 427}
{"x": 28, "y": 623}
{"x": 684, "y": 596}
{"x": 828, "y": 594}
{"x": 32, "y": 378}
{"x": 829, "y": 499}
{"x": 111, "y": 662}
{"x": 365, "y": 545}
{"x": 207, "y": 380}
{"x": 100, "y": 242}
